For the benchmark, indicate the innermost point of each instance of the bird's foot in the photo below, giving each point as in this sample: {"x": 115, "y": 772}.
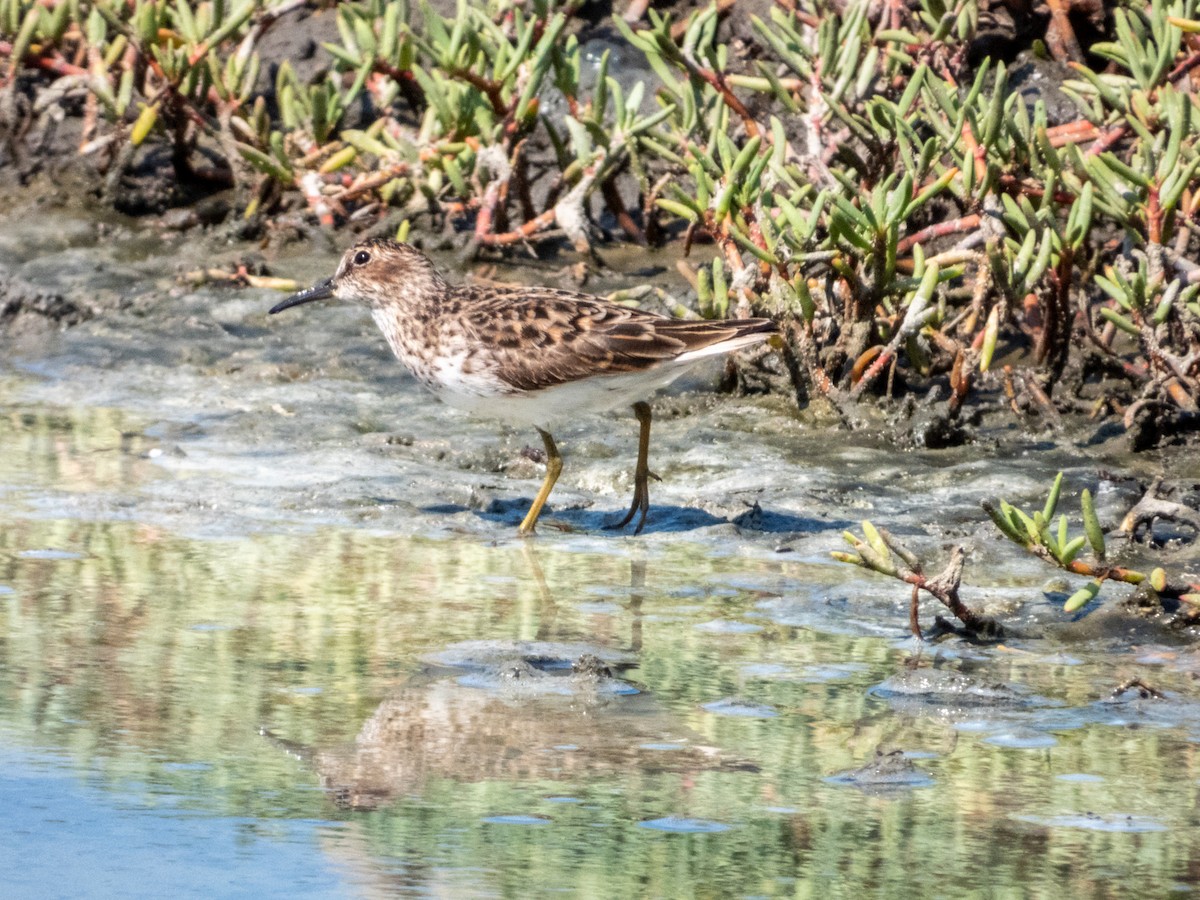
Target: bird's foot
{"x": 640, "y": 505}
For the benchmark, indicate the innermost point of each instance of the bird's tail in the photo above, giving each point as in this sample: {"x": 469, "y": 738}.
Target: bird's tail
{"x": 708, "y": 337}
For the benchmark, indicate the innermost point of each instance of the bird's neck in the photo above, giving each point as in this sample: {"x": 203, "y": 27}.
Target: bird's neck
{"x": 413, "y": 327}
{"x": 402, "y": 330}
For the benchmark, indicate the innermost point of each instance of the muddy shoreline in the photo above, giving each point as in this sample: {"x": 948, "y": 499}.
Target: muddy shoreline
{"x": 34, "y": 300}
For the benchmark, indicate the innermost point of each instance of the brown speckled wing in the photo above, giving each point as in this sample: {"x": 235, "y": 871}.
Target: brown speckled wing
{"x": 539, "y": 337}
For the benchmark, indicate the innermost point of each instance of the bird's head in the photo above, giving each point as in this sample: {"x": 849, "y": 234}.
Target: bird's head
{"x": 377, "y": 273}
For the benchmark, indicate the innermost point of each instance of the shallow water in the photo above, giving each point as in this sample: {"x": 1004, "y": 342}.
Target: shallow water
{"x": 265, "y": 612}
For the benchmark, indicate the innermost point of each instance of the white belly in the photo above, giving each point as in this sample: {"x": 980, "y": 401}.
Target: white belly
{"x": 553, "y": 406}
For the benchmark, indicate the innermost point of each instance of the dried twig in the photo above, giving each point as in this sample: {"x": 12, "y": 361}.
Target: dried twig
{"x": 1152, "y": 507}
{"x": 875, "y": 553}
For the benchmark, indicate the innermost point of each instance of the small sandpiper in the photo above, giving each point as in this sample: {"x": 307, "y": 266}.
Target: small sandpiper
{"x": 527, "y": 355}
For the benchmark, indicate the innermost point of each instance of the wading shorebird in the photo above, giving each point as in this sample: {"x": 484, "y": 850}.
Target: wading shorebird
{"x": 527, "y": 355}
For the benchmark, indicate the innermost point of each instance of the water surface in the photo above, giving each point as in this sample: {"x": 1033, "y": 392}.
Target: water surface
{"x": 267, "y": 628}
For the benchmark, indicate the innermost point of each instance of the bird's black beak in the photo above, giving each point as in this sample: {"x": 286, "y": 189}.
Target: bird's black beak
{"x": 322, "y": 290}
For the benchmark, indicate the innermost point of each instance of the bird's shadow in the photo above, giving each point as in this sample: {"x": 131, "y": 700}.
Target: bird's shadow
{"x": 661, "y": 519}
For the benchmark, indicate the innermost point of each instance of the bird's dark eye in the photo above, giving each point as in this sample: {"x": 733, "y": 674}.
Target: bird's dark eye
{"x": 361, "y": 258}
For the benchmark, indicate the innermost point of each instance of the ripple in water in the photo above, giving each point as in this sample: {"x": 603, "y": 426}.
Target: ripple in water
{"x": 598, "y": 608}
{"x": 49, "y": 553}
{"x": 764, "y": 670}
{"x": 187, "y": 767}
{"x": 1021, "y": 739}
{"x": 831, "y": 671}
{"x": 516, "y": 820}
{"x": 1094, "y": 822}
{"x": 888, "y": 771}
{"x": 731, "y": 706}
{"x": 899, "y": 782}
{"x": 723, "y": 626}
{"x": 680, "y": 825}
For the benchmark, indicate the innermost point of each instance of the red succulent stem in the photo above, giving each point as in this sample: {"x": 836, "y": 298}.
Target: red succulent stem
{"x": 51, "y": 62}
{"x": 939, "y": 229}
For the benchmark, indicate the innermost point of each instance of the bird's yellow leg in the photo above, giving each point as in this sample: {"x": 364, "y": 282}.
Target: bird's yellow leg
{"x": 553, "y": 469}
{"x": 642, "y": 474}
